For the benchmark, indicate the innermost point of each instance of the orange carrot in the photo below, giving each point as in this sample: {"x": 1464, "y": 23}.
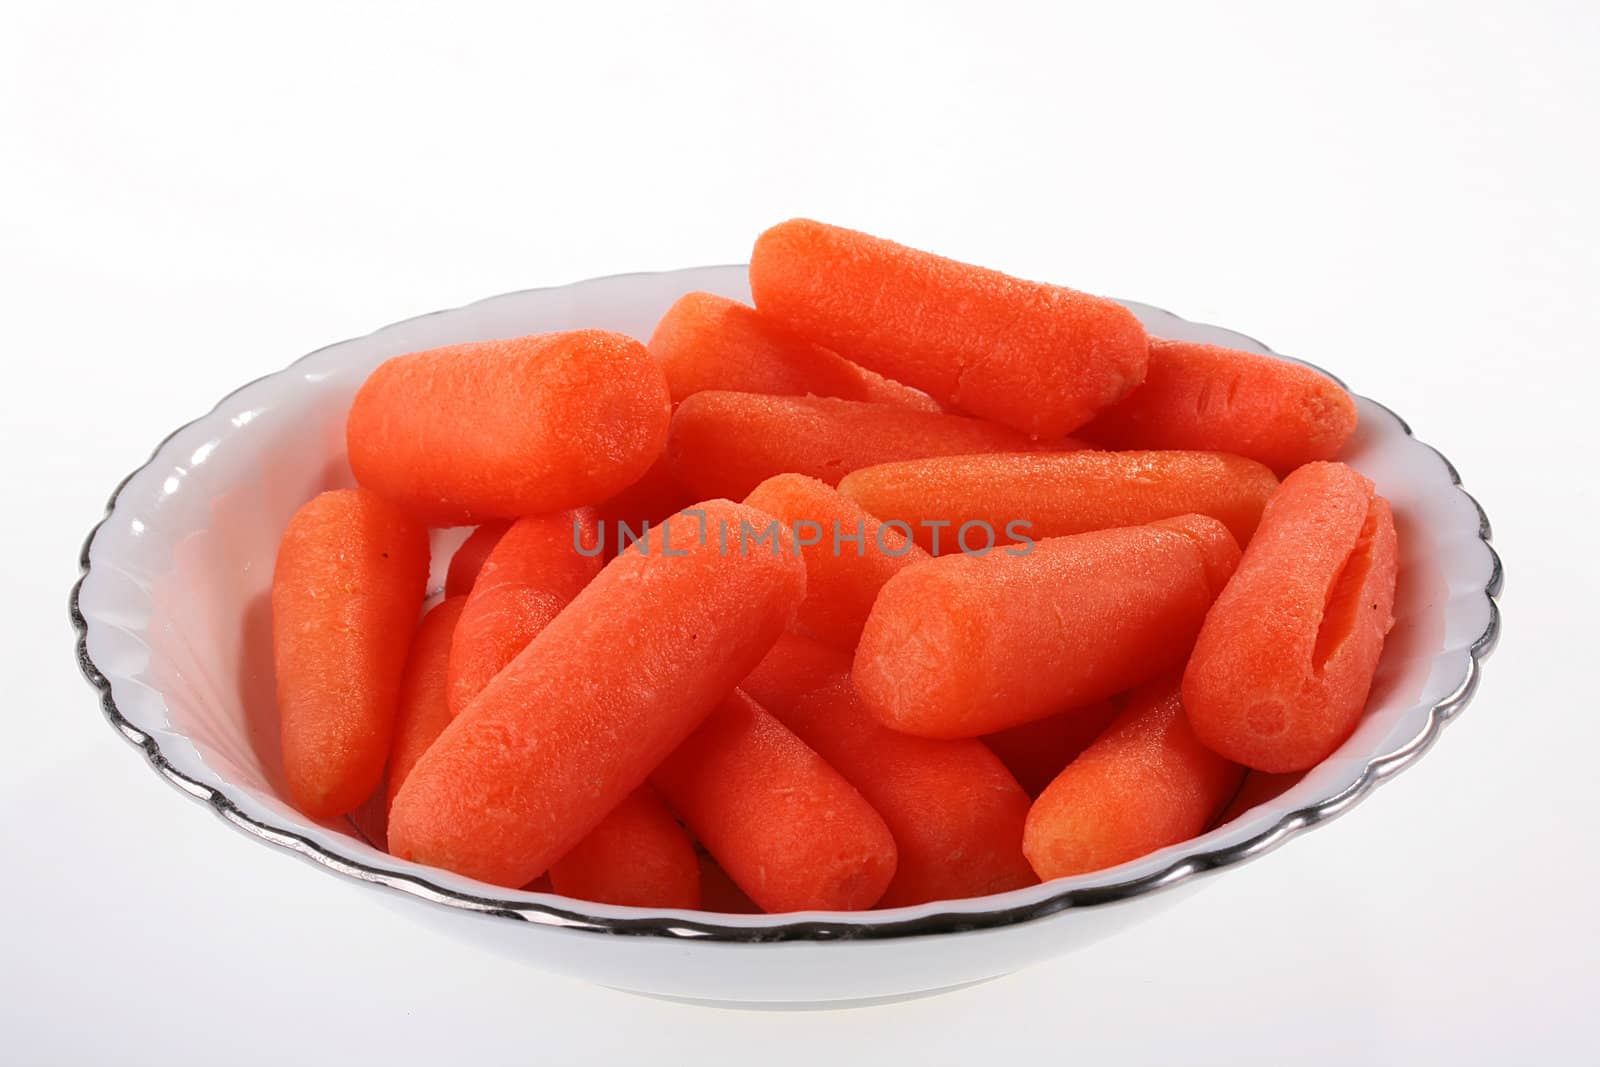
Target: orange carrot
{"x": 502, "y": 429}
{"x": 720, "y": 893}
{"x": 1146, "y": 783}
{"x": 728, "y": 443}
{"x": 790, "y": 831}
{"x": 966, "y": 645}
{"x": 1202, "y": 396}
{"x": 594, "y": 703}
{"x": 649, "y": 500}
{"x": 1055, "y": 495}
{"x": 955, "y": 812}
{"x": 1040, "y": 358}
{"x": 706, "y": 341}
{"x": 346, "y": 591}
{"x": 638, "y": 856}
{"x": 501, "y": 625}
{"x": 1035, "y": 752}
{"x": 848, "y": 553}
{"x": 468, "y": 560}
{"x": 370, "y": 818}
{"x": 1282, "y": 668}
{"x": 424, "y": 692}
{"x": 1258, "y": 789}
{"x": 539, "y": 565}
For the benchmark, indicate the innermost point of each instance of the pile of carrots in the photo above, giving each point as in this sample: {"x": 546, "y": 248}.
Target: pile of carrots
{"x": 931, "y": 583}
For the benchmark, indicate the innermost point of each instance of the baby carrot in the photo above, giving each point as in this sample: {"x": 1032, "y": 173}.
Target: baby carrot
{"x": 502, "y": 429}
{"x": 638, "y": 856}
{"x": 1258, "y": 788}
{"x": 1040, "y": 358}
{"x": 718, "y": 892}
{"x": 955, "y": 812}
{"x": 965, "y": 645}
{"x": 424, "y": 692}
{"x": 728, "y": 443}
{"x": 1281, "y": 670}
{"x": 468, "y": 559}
{"x": 706, "y": 341}
{"x": 346, "y": 590}
{"x": 1035, "y": 752}
{"x": 594, "y": 703}
{"x": 1202, "y": 396}
{"x": 370, "y": 818}
{"x": 790, "y": 831}
{"x": 848, "y": 553}
{"x": 1146, "y": 783}
{"x": 649, "y": 500}
{"x": 537, "y": 567}
{"x": 1058, "y": 494}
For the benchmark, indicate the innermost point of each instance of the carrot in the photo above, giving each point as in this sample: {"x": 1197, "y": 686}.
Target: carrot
{"x": 966, "y": 645}
{"x": 706, "y": 341}
{"x": 638, "y": 856}
{"x": 535, "y": 570}
{"x": 1206, "y": 397}
{"x": 1282, "y": 667}
{"x": 1035, "y": 752}
{"x": 468, "y": 559}
{"x": 1146, "y": 783}
{"x": 424, "y": 692}
{"x": 502, "y": 429}
{"x": 370, "y": 818}
{"x": 728, "y": 443}
{"x": 594, "y": 703}
{"x": 1053, "y": 495}
{"x": 649, "y": 500}
{"x": 955, "y": 812}
{"x": 848, "y": 553}
{"x": 718, "y": 892}
{"x": 1258, "y": 789}
{"x": 346, "y": 590}
{"x": 790, "y": 831}
{"x": 1039, "y": 358}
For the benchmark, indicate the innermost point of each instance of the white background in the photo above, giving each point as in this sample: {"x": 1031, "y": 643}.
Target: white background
{"x": 192, "y": 195}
